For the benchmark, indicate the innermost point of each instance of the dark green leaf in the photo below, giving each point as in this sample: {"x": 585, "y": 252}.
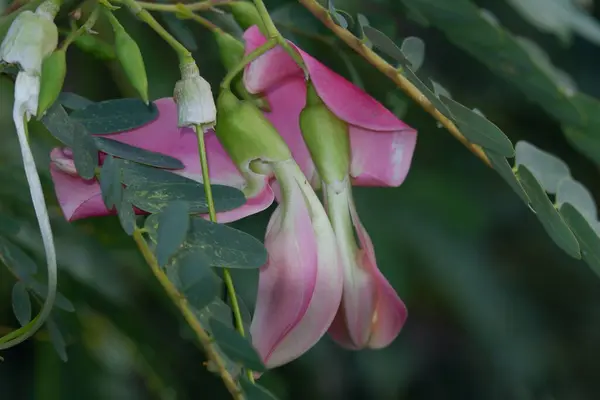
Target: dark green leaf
{"x": 549, "y": 217}
{"x": 254, "y": 391}
{"x": 573, "y": 192}
{"x": 198, "y": 284}
{"x": 173, "y": 225}
{"x": 57, "y": 340}
{"x": 431, "y": 96}
{"x": 236, "y": 346}
{"x": 337, "y": 17}
{"x": 85, "y": 154}
{"x": 548, "y": 169}
{"x": 110, "y": 183}
{"x": 502, "y": 167}
{"x": 218, "y": 245}
{"x": 587, "y": 237}
{"x": 126, "y": 215}
{"x": 154, "y": 197}
{"x": 17, "y": 261}
{"x": 136, "y": 154}
{"x": 479, "y": 129}
{"x": 58, "y": 123}
{"x": 413, "y": 49}
{"x": 113, "y": 116}
{"x": 138, "y": 174}
{"x": 9, "y": 226}
{"x": 180, "y": 30}
{"x": 385, "y": 44}
{"x": 217, "y": 309}
{"x": 73, "y": 101}
{"x": 21, "y": 303}
{"x": 41, "y": 289}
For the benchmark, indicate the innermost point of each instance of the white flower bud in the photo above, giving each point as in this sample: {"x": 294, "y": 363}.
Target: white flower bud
{"x": 30, "y": 38}
{"x": 27, "y": 91}
{"x": 195, "y": 103}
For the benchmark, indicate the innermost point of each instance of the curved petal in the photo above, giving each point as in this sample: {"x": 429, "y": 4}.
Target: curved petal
{"x": 272, "y": 67}
{"x": 380, "y": 159}
{"x": 300, "y": 288}
{"x": 77, "y": 197}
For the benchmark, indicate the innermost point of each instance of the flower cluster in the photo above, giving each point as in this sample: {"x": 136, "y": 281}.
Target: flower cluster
{"x": 321, "y": 275}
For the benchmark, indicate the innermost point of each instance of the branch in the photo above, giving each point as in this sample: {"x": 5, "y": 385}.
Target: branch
{"x": 391, "y": 72}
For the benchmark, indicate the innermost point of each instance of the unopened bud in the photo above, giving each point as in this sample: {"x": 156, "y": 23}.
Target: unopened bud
{"x": 195, "y": 103}
{"x": 63, "y": 160}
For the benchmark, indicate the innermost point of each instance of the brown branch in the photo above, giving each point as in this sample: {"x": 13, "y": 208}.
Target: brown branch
{"x": 391, "y": 72}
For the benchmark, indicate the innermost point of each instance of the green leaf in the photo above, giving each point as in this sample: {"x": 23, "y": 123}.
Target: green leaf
{"x": 126, "y": 215}
{"x": 385, "y": 44}
{"x": 254, "y": 391}
{"x": 479, "y": 129}
{"x": 414, "y": 50}
{"x": 587, "y": 237}
{"x": 113, "y": 116}
{"x": 110, "y": 183}
{"x": 9, "y": 226}
{"x": 138, "y": 174}
{"x": 73, "y": 101}
{"x": 549, "y": 217}
{"x": 337, "y": 17}
{"x": 235, "y": 346}
{"x": 179, "y": 29}
{"x": 57, "y": 340}
{"x": 17, "y": 261}
{"x": 21, "y": 303}
{"x": 547, "y": 169}
{"x": 198, "y": 284}
{"x": 154, "y": 197}
{"x": 173, "y": 225}
{"x": 572, "y": 192}
{"x": 41, "y": 289}
{"x": 502, "y": 167}
{"x": 423, "y": 88}
{"x": 85, "y": 154}
{"x": 136, "y": 154}
{"x": 58, "y": 123}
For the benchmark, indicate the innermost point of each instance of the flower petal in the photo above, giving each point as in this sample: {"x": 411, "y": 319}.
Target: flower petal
{"x": 380, "y": 159}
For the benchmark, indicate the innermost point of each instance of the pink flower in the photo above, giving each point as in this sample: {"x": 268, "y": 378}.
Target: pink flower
{"x": 381, "y": 146}
{"x": 79, "y": 198}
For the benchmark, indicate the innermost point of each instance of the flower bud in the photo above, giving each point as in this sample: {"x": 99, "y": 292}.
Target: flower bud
{"x": 27, "y": 89}
{"x": 96, "y": 47}
{"x": 326, "y": 137}
{"x": 131, "y": 59}
{"x": 231, "y": 52}
{"x": 246, "y": 15}
{"x": 31, "y": 37}
{"x": 54, "y": 69}
{"x": 63, "y": 160}
{"x": 195, "y": 103}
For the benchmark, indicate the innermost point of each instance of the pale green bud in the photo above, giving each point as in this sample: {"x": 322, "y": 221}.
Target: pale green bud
{"x": 195, "y": 102}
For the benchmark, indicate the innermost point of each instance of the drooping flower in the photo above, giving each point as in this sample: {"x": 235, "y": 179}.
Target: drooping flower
{"x": 81, "y": 198}
{"x": 339, "y": 135}
{"x": 300, "y": 287}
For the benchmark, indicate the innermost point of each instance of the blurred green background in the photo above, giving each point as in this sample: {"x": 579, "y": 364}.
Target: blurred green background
{"x": 496, "y": 310}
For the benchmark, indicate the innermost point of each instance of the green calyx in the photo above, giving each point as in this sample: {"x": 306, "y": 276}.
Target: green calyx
{"x": 231, "y": 52}
{"x": 129, "y": 55}
{"x": 246, "y": 134}
{"x": 54, "y": 69}
{"x": 246, "y": 15}
{"x": 326, "y": 137}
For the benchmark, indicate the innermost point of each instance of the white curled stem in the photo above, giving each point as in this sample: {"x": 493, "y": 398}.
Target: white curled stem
{"x": 20, "y": 118}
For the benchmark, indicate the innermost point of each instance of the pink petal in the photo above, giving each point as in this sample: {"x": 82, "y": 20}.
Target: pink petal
{"x": 301, "y": 286}
{"x": 380, "y": 159}
{"x": 343, "y": 98}
{"x": 77, "y": 198}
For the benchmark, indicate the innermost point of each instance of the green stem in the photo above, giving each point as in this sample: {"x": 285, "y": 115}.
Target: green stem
{"x": 213, "y": 217}
{"x": 273, "y": 33}
{"x": 183, "y": 53}
{"x": 187, "y": 313}
{"x": 199, "y": 6}
{"x": 259, "y": 51}
{"x": 91, "y": 21}
{"x": 187, "y": 12}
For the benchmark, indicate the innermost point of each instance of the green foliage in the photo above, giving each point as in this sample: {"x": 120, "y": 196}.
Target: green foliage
{"x": 235, "y": 346}
{"x": 114, "y": 116}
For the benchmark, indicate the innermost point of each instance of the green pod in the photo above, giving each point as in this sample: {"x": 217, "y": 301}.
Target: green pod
{"x": 54, "y": 70}
{"x": 129, "y": 55}
{"x": 96, "y": 47}
{"x": 246, "y": 15}
{"x": 246, "y": 134}
{"x": 231, "y": 52}
{"x": 326, "y": 137}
